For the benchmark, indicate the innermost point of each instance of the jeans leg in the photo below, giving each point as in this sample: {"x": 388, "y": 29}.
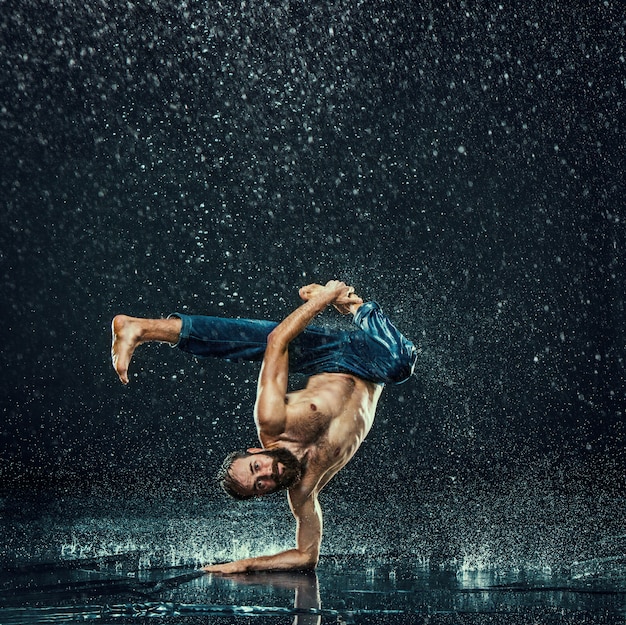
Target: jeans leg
{"x": 234, "y": 340}
{"x": 378, "y": 352}
{"x": 316, "y": 350}
{"x": 392, "y": 355}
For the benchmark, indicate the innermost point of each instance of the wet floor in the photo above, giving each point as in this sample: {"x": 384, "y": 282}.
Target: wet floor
{"x": 116, "y": 560}
{"x": 343, "y": 590}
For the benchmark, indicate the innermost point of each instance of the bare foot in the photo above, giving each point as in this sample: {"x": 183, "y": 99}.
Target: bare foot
{"x": 126, "y": 337}
{"x": 345, "y": 305}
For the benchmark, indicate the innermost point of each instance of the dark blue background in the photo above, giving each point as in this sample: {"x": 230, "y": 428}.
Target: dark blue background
{"x": 461, "y": 163}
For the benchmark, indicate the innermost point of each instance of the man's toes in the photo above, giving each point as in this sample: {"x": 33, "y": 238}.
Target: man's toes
{"x": 123, "y": 375}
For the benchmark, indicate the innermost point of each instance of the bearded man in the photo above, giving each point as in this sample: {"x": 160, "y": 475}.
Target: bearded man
{"x": 306, "y": 435}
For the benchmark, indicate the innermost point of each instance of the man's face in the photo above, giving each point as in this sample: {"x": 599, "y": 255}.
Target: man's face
{"x": 265, "y": 472}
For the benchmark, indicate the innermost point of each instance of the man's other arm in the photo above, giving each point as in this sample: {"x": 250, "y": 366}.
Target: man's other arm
{"x": 269, "y": 410}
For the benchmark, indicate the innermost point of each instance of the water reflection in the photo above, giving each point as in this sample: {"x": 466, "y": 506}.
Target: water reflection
{"x": 344, "y": 590}
{"x": 304, "y": 585}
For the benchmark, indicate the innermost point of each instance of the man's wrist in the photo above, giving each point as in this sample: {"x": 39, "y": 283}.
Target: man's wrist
{"x": 326, "y": 296}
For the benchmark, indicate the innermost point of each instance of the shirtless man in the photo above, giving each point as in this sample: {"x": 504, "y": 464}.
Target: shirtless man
{"x": 307, "y": 436}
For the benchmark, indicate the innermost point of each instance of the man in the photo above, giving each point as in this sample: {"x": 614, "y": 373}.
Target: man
{"x": 307, "y": 436}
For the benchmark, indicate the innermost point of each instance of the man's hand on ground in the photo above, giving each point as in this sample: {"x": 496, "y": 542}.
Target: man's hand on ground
{"x": 227, "y": 568}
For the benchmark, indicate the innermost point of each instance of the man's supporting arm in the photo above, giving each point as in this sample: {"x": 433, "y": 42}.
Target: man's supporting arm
{"x": 308, "y": 514}
{"x": 270, "y": 415}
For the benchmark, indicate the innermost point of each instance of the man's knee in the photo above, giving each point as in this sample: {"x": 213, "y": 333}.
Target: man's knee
{"x": 404, "y": 363}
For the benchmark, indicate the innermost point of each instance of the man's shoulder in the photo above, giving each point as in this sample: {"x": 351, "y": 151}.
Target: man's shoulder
{"x": 308, "y": 486}
{"x": 300, "y": 494}
{"x": 321, "y": 467}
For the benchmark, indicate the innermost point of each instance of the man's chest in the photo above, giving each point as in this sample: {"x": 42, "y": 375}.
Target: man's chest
{"x": 306, "y": 422}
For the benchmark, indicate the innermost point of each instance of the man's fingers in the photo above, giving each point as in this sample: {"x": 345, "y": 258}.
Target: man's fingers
{"x": 337, "y": 286}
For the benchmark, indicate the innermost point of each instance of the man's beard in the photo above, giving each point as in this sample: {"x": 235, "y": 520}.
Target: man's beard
{"x": 292, "y": 473}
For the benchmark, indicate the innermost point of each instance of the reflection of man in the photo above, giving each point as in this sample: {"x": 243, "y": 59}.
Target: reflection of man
{"x": 307, "y": 601}
{"x": 307, "y": 436}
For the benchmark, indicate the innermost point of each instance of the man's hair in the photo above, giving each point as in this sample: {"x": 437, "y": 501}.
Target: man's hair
{"x": 225, "y": 478}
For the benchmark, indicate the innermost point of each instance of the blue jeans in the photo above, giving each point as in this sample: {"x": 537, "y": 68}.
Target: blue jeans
{"x": 376, "y": 352}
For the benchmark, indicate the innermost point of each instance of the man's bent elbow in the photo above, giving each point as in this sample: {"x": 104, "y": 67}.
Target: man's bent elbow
{"x": 310, "y": 562}
{"x": 310, "y": 558}
{"x": 276, "y": 340}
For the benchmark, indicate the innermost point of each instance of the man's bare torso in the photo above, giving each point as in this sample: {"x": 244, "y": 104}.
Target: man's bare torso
{"x": 326, "y": 422}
